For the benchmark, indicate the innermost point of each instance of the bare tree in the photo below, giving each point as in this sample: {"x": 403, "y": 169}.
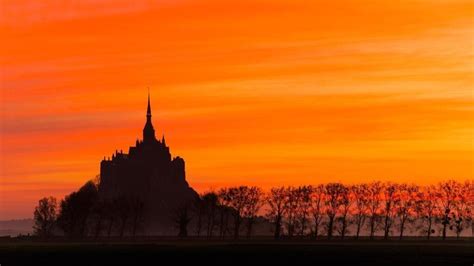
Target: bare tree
{"x": 210, "y": 201}
{"x": 317, "y": 207}
{"x": 333, "y": 201}
{"x": 236, "y": 196}
{"x": 390, "y": 199}
{"x": 122, "y": 205}
{"x": 446, "y": 200}
{"x": 304, "y": 206}
{"x": 137, "y": 208}
{"x": 111, "y": 215}
{"x": 183, "y": 218}
{"x": 224, "y": 211}
{"x": 470, "y": 201}
{"x": 253, "y": 202}
{"x": 359, "y": 195}
{"x": 406, "y": 204}
{"x": 375, "y": 200}
{"x": 98, "y": 210}
{"x": 277, "y": 203}
{"x": 461, "y": 212}
{"x": 199, "y": 209}
{"x": 98, "y": 214}
{"x": 45, "y": 215}
{"x": 292, "y": 203}
{"x": 345, "y": 206}
{"x": 427, "y": 208}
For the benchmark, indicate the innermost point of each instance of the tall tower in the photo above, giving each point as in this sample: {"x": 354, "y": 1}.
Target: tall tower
{"x": 148, "y": 130}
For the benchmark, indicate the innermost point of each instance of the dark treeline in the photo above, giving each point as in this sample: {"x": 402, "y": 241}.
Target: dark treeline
{"x": 84, "y": 214}
{"x": 326, "y": 210}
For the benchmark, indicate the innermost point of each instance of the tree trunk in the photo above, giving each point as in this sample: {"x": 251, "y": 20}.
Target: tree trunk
{"x": 249, "y": 227}
{"x": 445, "y": 224}
{"x": 343, "y": 229}
{"x": 237, "y": 226}
{"x": 402, "y": 227}
{"x": 429, "y": 228}
{"x": 359, "y": 224}
{"x": 210, "y": 224}
{"x": 226, "y": 225}
{"x": 316, "y": 228}
{"x": 303, "y": 225}
{"x": 330, "y": 225}
{"x": 372, "y": 227}
{"x": 472, "y": 226}
{"x": 277, "y": 226}
{"x": 183, "y": 230}
{"x": 221, "y": 225}
{"x": 199, "y": 225}
{"x": 386, "y": 227}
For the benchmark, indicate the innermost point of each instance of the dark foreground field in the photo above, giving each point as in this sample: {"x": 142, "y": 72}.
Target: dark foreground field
{"x": 176, "y": 252}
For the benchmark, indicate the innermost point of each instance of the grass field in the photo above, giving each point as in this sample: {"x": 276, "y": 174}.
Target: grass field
{"x": 262, "y": 252}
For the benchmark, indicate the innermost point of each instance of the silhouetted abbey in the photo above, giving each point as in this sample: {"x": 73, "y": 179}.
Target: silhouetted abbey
{"x": 150, "y": 174}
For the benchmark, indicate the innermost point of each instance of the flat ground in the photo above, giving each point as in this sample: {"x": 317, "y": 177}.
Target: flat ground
{"x": 262, "y": 252}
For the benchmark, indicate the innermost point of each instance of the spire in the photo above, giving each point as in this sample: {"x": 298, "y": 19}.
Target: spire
{"x": 148, "y": 130}
{"x": 163, "y": 140}
{"x": 148, "y": 111}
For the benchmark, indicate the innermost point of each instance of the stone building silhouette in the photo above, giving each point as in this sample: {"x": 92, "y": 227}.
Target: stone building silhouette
{"x": 150, "y": 174}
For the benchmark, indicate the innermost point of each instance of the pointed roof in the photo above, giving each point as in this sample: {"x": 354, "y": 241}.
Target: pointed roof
{"x": 148, "y": 111}
{"x": 148, "y": 130}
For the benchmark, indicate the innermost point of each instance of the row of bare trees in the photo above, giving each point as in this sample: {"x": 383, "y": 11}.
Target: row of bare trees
{"x": 324, "y": 210}
{"x": 334, "y": 209}
{"x": 222, "y": 213}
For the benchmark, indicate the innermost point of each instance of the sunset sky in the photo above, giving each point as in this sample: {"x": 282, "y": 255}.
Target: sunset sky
{"x": 248, "y": 92}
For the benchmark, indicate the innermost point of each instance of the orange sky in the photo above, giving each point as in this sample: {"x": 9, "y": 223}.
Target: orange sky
{"x": 248, "y": 92}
